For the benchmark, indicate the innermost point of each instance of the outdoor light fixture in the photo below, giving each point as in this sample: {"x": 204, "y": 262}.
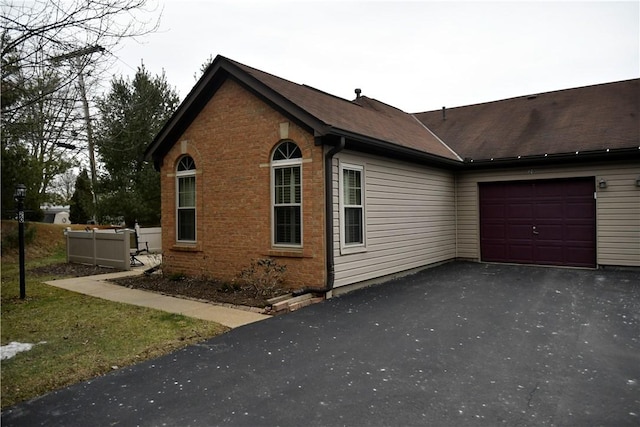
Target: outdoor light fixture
{"x": 638, "y": 181}
{"x": 602, "y": 183}
{"x": 19, "y": 195}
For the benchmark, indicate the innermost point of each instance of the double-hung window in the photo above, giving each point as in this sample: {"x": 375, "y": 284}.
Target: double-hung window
{"x": 352, "y": 216}
{"x": 286, "y": 166}
{"x": 186, "y": 200}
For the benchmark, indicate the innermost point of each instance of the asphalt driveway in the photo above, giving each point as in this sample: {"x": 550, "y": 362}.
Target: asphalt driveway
{"x": 460, "y": 344}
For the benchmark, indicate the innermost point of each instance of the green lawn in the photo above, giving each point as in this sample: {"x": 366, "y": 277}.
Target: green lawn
{"x": 78, "y": 337}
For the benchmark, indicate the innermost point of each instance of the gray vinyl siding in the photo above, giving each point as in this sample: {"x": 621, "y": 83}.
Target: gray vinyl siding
{"x": 409, "y": 218}
{"x": 617, "y": 207}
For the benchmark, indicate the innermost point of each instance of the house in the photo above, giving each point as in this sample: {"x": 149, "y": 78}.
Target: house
{"x": 55, "y": 214}
{"x": 348, "y": 192}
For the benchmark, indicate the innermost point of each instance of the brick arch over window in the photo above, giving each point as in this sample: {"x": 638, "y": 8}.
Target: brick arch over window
{"x": 185, "y": 199}
{"x": 286, "y": 194}
{"x": 286, "y": 149}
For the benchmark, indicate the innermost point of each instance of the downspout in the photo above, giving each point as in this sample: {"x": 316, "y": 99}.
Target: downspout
{"x": 328, "y": 212}
{"x": 455, "y": 206}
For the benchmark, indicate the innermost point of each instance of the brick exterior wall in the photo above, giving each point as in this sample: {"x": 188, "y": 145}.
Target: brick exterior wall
{"x": 231, "y": 141}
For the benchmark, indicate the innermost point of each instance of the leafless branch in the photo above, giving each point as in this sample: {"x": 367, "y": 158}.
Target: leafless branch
{"x": 36, "y": 32}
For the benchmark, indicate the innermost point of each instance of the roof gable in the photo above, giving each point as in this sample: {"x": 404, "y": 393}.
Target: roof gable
{"x": 367, "y": 122}
{"x": 595, "y": 119}
{"x": 587, "y": 119}
{"x": 364, "y": 116}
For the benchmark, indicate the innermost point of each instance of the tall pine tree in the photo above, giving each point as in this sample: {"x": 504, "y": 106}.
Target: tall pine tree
{"x": 130, "y": 116}
{"x": 81, "y": 205}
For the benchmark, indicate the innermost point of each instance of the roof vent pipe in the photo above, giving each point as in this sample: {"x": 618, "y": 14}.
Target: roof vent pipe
{"x": 358, "y": 92}
{"x": 444, "y": 113}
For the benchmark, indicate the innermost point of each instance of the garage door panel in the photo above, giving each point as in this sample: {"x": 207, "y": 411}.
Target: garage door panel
{"x": 495, "y": 252}
{"x": 546, "y": 210}
{"x": 549, "y": 232}
{"x": 520, "y": 210}
{"x": 517, "y": 192}
{"x": 549, "y": 254}
{"x": 494, "y": 192}
{"x": 493, "y": 231}
{"x": 580, "y": 233}
{"x": 549, "y": 191}
{"x": 492, "y": 211}
{"x": 519, "y": 253}
{"x": 578, "y": 187}
{"x": 519, "y": 231}
{"x": 580, "y": 257}
{"x": 580, "y": 210}
{"x": 539, "y": 222}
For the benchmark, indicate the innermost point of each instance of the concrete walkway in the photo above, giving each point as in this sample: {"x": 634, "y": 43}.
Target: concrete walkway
{"x": 99, "y": 287}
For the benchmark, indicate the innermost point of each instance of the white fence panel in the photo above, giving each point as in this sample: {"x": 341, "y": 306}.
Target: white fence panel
{"x": 150, "y": 237}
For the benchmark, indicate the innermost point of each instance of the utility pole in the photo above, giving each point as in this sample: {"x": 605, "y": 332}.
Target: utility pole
{"x": 90, "y": 143}
{"x": 87, "y": 118}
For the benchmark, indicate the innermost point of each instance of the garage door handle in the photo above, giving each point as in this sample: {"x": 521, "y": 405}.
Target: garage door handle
{"x": 535, "y": 231}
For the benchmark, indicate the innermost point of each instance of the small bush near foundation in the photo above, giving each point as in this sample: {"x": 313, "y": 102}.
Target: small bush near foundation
{"x": 229, "y": 288}
{"x": 264, "y": 276}
{"x": 177, "y": 277}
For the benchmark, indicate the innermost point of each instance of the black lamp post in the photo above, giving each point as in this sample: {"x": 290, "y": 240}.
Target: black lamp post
{"x": 19, "y": 196}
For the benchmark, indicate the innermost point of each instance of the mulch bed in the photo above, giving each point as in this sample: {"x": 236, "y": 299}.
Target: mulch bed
{"x": 194, "y": 287}
{"x": 70, "y": 270}
{"x": 199, "y": 288}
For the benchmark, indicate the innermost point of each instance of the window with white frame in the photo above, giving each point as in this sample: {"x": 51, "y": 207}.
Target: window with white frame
{"x": 286, "y": 194}
{"x": 186, "y": 200}
{"x": 352, "y": 206}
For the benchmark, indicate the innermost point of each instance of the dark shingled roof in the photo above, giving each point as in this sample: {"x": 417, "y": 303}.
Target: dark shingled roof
{"x": 364, "y": 116}
{"x": 592, "y": 120}
{"x": 586, "y": 119}
{"x": 366, "y": 124}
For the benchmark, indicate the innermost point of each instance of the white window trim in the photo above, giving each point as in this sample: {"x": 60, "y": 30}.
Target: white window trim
{"x": 185, "y": 174}
{"x": 279, "y": 164}
{"x": 352, "y": 248}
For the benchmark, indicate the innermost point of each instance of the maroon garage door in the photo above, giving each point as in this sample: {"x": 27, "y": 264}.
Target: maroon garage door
{"x": 550, "y": 222}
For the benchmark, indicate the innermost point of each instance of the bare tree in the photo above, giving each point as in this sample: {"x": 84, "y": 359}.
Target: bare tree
{"x": 42, "y": 131}
{"x": 48, "y": 48}
{"x": 63, "y": 187}
{"x": 40, "y": 31}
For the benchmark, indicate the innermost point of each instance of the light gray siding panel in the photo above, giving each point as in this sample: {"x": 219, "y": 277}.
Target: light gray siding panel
{"x": 409, "y": 217}
{"x": 617, "y": 207}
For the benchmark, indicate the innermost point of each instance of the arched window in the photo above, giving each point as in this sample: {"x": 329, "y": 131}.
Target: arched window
{"x": 186, "y": 200}
{"x": 286, "y": 194}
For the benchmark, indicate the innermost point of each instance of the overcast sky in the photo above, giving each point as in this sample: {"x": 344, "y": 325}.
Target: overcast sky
{"x": 416, "y": 56}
